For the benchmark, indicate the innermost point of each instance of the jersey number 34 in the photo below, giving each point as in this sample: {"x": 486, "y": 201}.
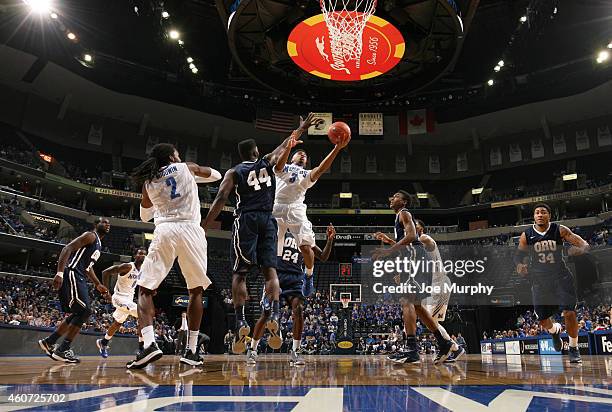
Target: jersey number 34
{"x": 256, "y": 182}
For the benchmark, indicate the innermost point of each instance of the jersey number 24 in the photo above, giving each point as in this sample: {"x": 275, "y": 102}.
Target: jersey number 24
{"x": 256, "y": 182}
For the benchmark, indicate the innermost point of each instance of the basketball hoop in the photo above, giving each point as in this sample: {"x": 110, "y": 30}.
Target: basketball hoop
{"x": 345, "y": 299}
{"x": 345, "y": 20}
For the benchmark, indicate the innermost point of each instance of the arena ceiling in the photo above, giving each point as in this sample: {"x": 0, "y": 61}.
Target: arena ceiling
{"x": 452, "y": 47}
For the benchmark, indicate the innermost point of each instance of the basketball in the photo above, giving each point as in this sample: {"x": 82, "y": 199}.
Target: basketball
{"x": 338, "y": 132}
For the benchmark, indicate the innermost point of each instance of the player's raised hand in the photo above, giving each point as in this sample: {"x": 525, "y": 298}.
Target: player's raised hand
{"x": 294, "y": 140}
{"x": 331, "y": 231}
{"x": 57, "y": 282}
{"x": 309, "y": 121}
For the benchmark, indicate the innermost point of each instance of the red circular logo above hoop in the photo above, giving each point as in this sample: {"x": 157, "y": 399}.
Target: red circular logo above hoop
{"x": 382, "y": 48}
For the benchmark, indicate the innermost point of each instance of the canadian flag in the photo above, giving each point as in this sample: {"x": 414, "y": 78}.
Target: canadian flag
{"x": 416, "y": 122}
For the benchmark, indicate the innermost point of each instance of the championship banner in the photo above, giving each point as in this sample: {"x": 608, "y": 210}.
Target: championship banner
{"x": 371, "y": 124}
{"x": 515, "y": 153}
{"x": 321, "y": 129}
{"x": 537, "y": 149}
{"x": 462, "y": 162}
{"x": 434, "y": 164}
{"x": 559, "y": 145}
{"x": 96, "y": 131}
{"x": 604, "y": 138}
{"x": 582, "y": 140}
{"x": 495, "y": 157}
{"x": 400, "y": 163}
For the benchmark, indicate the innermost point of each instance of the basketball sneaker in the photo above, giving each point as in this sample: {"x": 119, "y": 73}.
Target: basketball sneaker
{"x": 295, "y": 358}
{"x": 445, "y": 349}
{"x": 251, "y": 357}
{"x": 66, "y": 356}
{"x": 409, "y": 356}
{"x": 275, "y": 341}
{"x": 47, "y": 347}
{"x": 191, "y": 358}
{"x": 455, "y": 355}
{"x": 574, "y": 355}
{"x": 145, "y": 356}
{"x": 242, "y": 331}
{"x": 307, "y": 285}
{"x": 103, "y": 348}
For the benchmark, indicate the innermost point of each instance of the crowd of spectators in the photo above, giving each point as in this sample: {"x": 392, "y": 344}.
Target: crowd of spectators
{"x": 590, "y": 319}
{"x": 11, "y": 222}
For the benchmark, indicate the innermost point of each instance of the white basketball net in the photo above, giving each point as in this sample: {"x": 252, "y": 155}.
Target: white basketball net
{"x": 345, "y": 302}
{"x": 345, "y": 21}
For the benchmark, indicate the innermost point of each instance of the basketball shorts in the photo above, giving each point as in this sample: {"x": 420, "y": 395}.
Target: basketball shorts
{"x": 293, "y": 217}
{"x": 290, "y": 287}
{"x": 73, "y": 292}
{"x": 254, "y": 238}
{"x": 553, "y": 295}
{"x": 124, "y": 307}
{"x": 437, "y": 303}
{"x": 183, "y": 240}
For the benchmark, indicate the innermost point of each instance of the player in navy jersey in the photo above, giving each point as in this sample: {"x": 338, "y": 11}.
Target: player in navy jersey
{"x": 74, "y": 267}
{"x": 539, "y": 256}
{"x": 254, "y": 232}
{"x": 290, "y": 268}
{"x": 406, "y": 244}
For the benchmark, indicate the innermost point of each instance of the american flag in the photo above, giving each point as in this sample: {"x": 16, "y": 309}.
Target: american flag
{"x": 275, "y": 121}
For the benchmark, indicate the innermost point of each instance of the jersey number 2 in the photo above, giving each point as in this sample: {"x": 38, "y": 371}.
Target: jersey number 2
{"x": 254, "y": 181}
{"x": 172, "y": 182}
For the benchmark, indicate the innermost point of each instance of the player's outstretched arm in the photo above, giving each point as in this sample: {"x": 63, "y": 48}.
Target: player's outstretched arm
{"x": 273, "y": 157}
{"x": 579, "y": 245}
{"x": 323, "y": 255}
{"x": 384, "y": 238}
{"x": 98, "y": 285}
{"x": 228, "y": 183}
{"x": 120, "y": 270}
{"x": 203, "y": 174}
{"x": 428, "y": 242}
{"x": 290, "y": 143}
{"x": 85, "y": 239}
{"x": 326, "y": 163}
{"x": 146, "y": 206}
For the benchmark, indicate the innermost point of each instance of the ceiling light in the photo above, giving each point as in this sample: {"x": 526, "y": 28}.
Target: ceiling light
{"x": 39, "y": 6}
{"x": 610, "y": 45}
{"x": 165, "y": 14}
{"x": 500, "y": 63}
{"x": 497, "y": 68}
{"x": 88, "y": 58}
{"x": 181, "y": 42}
{"x": 491, "y": 82}
{"x": 603, "y": 56}
{"x": 523, "y": 19}
{"x": 192, "y": 66}
{"x": 71, "y": 36}
{"x": 174, "y": 34}
{"x": 194, "y": 70}
{"x": 54, "y": 15}
{"x": 189, "y": 60}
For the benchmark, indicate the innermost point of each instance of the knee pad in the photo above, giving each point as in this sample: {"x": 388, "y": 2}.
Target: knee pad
{"x": 80, "y": 316}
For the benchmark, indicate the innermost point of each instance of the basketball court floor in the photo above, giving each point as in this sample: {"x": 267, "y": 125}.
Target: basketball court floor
{"x": 326, "y": 383}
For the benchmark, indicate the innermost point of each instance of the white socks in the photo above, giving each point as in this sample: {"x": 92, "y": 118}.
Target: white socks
{"x": 148, "y": 335}
{"x": 254, "y": 343}
{"x": 296, "y": 344}
{"x": 556, "y": 328}
{"x": 192, "y": 341}
{"x": 573, "y": 342}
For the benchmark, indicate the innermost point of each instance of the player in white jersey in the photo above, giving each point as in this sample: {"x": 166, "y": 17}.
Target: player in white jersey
{"x": 170, "y": 197}
{"x": 292, "y": 182}
{"x": 123, "y": 297}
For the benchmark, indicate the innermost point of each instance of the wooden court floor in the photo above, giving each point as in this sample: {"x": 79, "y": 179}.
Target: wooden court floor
{"x": 365, "y": 383}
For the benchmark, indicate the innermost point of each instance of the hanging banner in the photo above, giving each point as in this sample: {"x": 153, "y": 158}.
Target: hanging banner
{"x": 582, "y": 140}
{"x": 321, "y": 128}
{"x": 604, "y": 138}
{"x": 495, "y": 157}
{"x": 537, "y": 149}
{"x": 559, "y": 144}
{"x": 515, "y": 153}
{"x": 371, "y": 124}
{"x": 434, "y": 164}
{"x": 462, "y": 162}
